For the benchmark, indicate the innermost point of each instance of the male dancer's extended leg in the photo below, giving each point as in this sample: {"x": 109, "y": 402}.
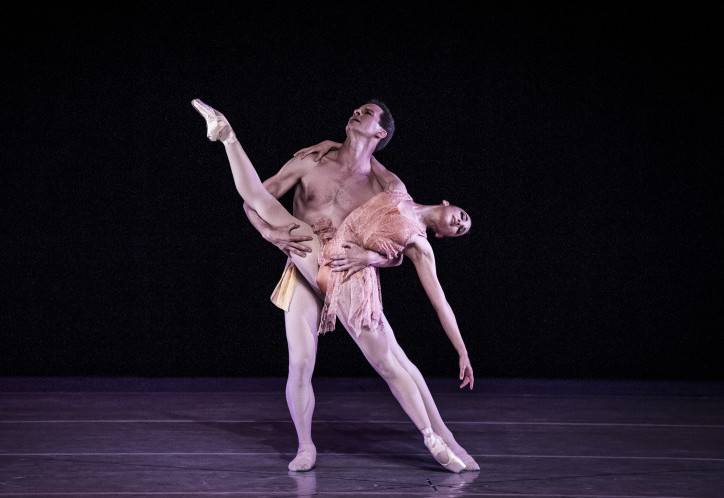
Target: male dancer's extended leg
{"x": 432, "y": 412}
{"x": 301, "y": 322}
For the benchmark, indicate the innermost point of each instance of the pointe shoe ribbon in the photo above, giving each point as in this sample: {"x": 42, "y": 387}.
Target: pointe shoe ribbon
{"x": 217, "y": 127}
{"x": 442, "y": 453}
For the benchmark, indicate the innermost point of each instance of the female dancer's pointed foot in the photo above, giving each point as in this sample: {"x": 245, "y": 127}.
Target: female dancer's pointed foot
{"x": 217, "y": 127}
{"x": 442, "y": 453}
{"x": 470, "y": 463}
{"x": 305, "y": 460}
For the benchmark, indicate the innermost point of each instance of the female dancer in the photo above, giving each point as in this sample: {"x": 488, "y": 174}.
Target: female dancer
{"x": 389, "y": 223}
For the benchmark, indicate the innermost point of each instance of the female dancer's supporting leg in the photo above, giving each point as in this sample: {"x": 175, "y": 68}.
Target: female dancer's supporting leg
{"x": 374, "y": 346}
{"x": 378, "y": 348}
{"x": 432, "y": 412}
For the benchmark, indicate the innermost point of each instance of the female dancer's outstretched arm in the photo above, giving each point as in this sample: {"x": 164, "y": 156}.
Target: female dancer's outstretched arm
{"x": 421, "y": 253}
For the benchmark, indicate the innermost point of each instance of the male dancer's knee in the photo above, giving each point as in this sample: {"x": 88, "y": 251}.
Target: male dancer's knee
{"x": 301, "y": 367}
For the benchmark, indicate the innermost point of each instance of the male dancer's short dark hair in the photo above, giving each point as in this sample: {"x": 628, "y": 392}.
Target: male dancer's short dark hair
{"x": 387, "y": 122}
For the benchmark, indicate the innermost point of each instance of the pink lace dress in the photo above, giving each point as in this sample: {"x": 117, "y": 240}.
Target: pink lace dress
{"x": 376, "y": 225}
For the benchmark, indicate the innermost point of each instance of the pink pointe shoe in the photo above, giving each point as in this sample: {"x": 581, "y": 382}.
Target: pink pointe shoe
{"x": 442, "y": 453}
{"x": 217, "y": 127}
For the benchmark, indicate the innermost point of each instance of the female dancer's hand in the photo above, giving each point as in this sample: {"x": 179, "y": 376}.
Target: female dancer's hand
{"x": 321, "y": 149}
{"x": 466, "y": 372}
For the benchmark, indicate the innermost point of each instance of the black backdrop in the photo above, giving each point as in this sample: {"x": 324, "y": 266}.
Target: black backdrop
{"x": 582, "y": 139}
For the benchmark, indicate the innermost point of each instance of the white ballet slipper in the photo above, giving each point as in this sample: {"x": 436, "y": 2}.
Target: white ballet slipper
{"x": 217, "y": 126}
{"x": 442, "y": 453}
{"x": 305, "y": 460}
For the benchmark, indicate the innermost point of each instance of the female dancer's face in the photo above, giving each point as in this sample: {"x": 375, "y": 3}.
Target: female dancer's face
{"x": 452, "y": 222}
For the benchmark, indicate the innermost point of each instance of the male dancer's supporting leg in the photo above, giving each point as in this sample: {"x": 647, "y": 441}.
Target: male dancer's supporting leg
{"x": 303, "y": 317}
{"x": 301, "y": 323}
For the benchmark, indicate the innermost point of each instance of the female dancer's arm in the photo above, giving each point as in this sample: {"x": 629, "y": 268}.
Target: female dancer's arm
{"x": 421, "y": 254}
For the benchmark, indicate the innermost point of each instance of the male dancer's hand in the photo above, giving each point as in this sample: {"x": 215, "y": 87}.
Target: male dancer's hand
{"x": 466, "y": 372}
{"x": 354, "y": 259}
{"x": 289, "y": 243}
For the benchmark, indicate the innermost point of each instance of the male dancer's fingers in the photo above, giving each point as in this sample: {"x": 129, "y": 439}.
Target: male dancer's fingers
{"x": 299, "y": 247}
{"x": 297, "y": 238}
{"x": 307, "y": 151}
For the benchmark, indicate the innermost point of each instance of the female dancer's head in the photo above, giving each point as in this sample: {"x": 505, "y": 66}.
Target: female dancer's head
{"x": 449, "y": 221}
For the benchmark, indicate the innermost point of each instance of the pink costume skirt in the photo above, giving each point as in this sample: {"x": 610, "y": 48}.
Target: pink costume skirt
{"x": 376, "y": 225}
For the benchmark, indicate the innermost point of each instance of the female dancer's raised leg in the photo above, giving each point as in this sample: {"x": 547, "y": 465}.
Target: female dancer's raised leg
{"x": 253, "y": 191}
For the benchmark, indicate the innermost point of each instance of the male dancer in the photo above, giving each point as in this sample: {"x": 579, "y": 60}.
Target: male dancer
{"x": 332, "y": 187}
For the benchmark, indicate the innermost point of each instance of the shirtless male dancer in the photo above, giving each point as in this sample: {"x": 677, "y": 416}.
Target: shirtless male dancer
{"x": 332, "y": 186}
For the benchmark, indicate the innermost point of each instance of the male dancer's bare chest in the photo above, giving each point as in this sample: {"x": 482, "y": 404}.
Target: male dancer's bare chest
{"x": 332, "y": 194}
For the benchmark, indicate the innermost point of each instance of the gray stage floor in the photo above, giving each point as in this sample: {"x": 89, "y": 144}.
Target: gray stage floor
{"x": 234, "y": 437}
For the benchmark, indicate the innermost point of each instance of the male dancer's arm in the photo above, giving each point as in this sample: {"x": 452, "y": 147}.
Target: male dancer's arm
{"x": 388, "y": 180}
{"x": 288, "y": 176}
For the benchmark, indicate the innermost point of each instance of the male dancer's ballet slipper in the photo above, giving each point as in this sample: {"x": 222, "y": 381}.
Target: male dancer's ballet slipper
{"x": 217, "y": 127}
{"x": 442, "y": 453}
{"x": 305, "y": 460}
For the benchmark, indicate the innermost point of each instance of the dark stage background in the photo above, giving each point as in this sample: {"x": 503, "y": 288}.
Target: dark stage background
{"x": 582, "y": 139}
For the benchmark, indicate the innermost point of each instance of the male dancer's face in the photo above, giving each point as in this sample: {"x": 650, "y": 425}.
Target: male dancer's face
{"x": 365, "y": 121}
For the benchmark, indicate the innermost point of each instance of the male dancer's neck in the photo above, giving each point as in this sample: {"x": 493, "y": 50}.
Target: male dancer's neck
{"x": 356, "y": 153}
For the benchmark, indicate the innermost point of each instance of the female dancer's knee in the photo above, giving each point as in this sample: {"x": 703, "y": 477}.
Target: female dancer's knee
{"x": 386, "y": 365}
